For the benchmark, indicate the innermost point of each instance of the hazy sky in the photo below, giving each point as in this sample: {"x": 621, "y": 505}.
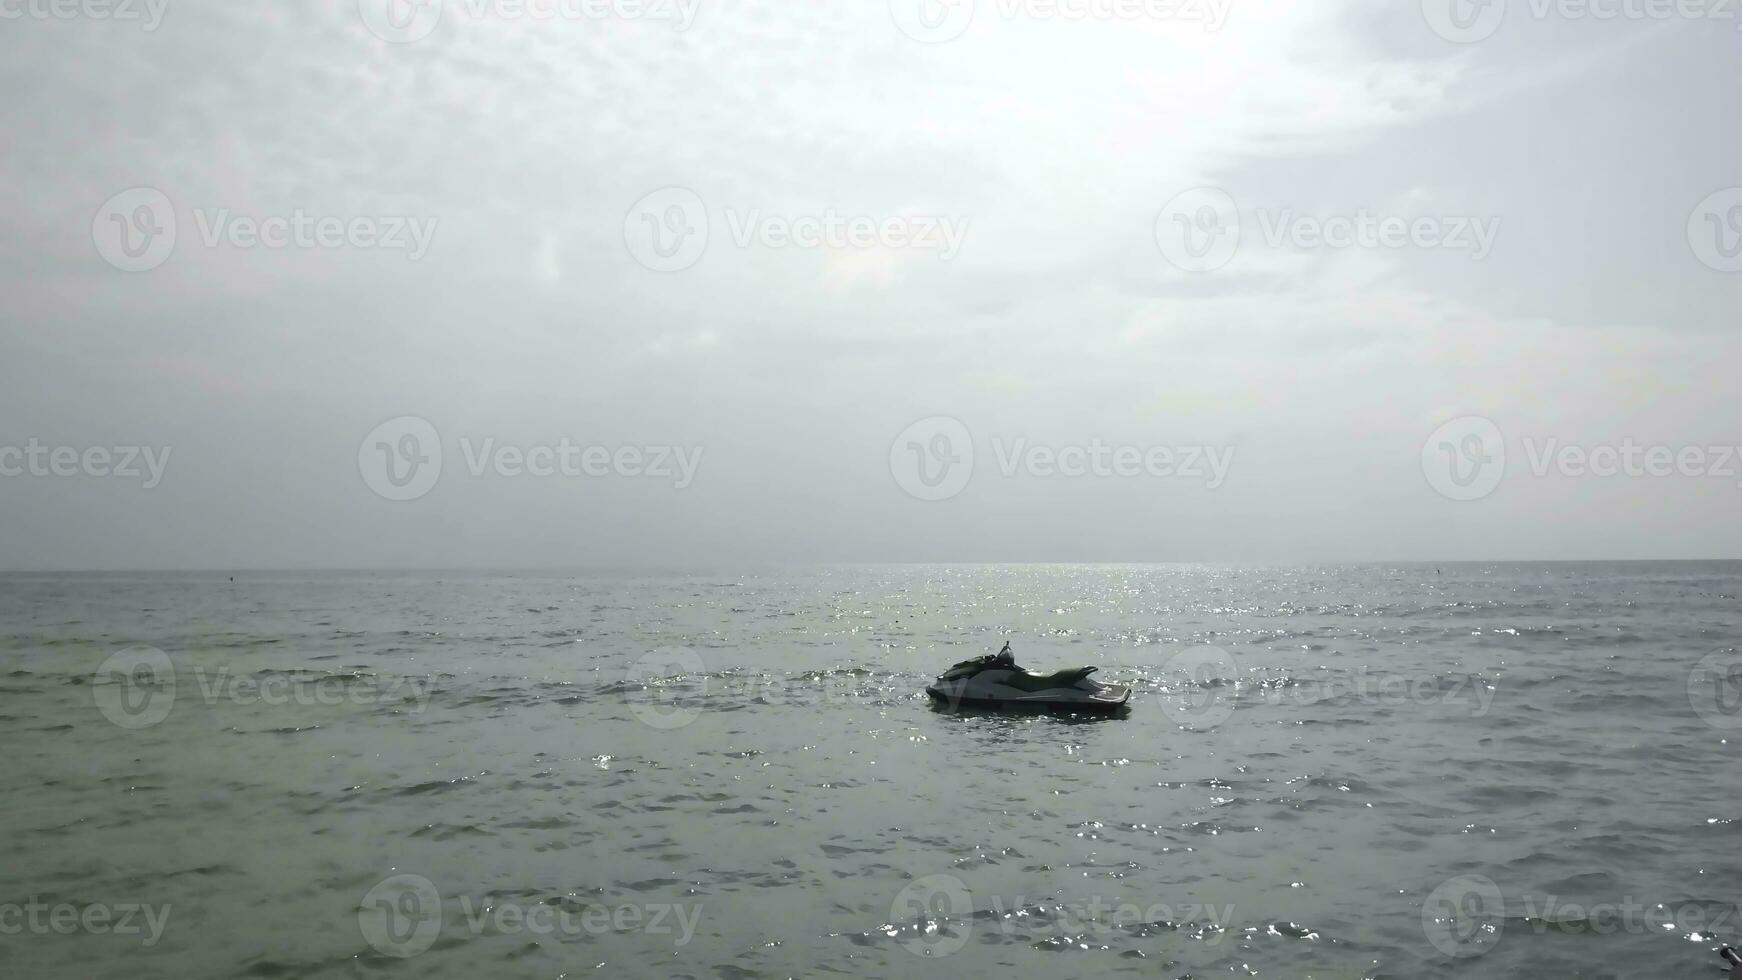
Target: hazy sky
{"x": 855, "y": 280}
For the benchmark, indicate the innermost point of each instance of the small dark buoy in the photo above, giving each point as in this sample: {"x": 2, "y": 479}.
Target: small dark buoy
{"x": 1734, "y": 960}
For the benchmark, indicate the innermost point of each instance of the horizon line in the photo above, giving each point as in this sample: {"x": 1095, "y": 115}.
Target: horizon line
{"x": 812, "y": 563}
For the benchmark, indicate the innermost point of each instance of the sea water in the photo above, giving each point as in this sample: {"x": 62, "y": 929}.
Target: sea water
{"x": 1329, "y": 771}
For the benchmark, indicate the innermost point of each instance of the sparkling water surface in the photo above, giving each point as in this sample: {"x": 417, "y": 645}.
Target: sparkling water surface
{"x": 1332, "y": 771}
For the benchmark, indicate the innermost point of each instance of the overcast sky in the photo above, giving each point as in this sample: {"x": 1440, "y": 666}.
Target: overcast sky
{"x": 863, "y": 280}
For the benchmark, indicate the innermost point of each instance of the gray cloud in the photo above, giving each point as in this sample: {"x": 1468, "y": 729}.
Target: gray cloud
{"x": 527, "y": 144}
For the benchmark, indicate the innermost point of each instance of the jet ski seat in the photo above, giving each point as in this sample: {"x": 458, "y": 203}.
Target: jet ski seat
{"x": 1023, "y": 680}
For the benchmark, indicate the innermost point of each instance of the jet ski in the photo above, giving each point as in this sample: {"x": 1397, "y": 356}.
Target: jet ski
{"x": 996, "y": 681}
